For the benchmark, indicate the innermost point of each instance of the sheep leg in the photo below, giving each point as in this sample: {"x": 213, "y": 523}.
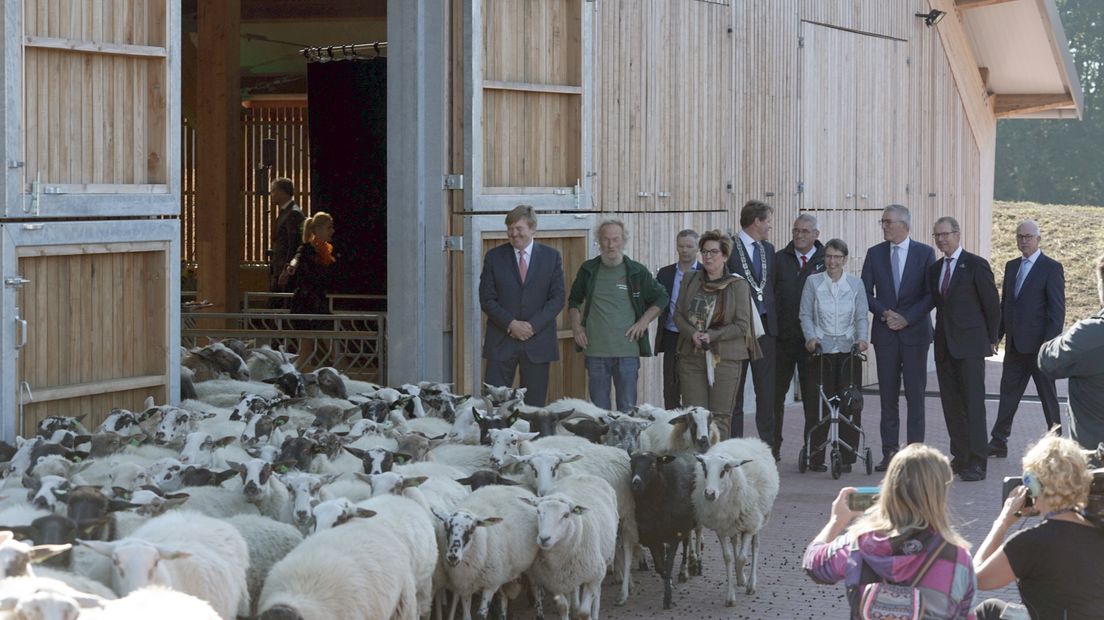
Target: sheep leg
{"x": 465, "y": 601}
{"x": 562, "y": 606}
{"x": 536, "y": 598}
{"x": 485, "y": 603}
{"x": 642, "y": 562}
{"x": 595, "y": 599}
{"x": 669, "y": 567}
{"x": 699, "y": 551}
{"x": 503, "y": 604}
{"x": 739, "y": 546}
{"x": 684, "y": 574}
{"x": 754, "y": 580}
{"x": 626, "y": 570}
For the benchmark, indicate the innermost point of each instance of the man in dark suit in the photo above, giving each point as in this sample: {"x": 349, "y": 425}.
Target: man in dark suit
{"x": 895, "y": 276}
{"x": 753, "y": 258}
{"x": 686, "y": 244}
{"x": 521, "y": 290}
{"x": 795, "y": 263}
{"x": 967, "y": 319}
{"x": 287, "y": 232}
{"x": 1033, "y": 310}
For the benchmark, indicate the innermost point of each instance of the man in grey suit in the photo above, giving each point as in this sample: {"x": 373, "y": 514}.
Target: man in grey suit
{"x": 895, "y": 276}
{"x": 521, "y": 290}
{"x": 1033, "y": 310}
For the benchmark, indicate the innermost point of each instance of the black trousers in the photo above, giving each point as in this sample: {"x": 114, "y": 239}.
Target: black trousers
{"x": 834, "y": 372}
{"x": 672, "y": 397}
{"x": 962, "y": 392}
{"x": 762, "y": 376}
{"x": 534, "y": 377}
{"x": 1018, "y": 368}
{"x": 792, "y": 355}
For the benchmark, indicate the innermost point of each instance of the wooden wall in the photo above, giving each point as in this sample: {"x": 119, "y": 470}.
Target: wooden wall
{"x": 97, "y": 316}
{"x": 838, "y": 108}
{"x": 95, "y": 78}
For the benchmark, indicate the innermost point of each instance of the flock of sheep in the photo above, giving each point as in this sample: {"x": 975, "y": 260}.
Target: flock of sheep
{"x": 275, "y": 494}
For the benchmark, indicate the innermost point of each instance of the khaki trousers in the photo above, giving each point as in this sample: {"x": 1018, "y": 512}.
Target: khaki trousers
{"x": 721, "y": 398}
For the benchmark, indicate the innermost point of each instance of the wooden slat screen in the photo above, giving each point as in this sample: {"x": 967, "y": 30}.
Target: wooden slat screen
{"x": 287, "y": 124}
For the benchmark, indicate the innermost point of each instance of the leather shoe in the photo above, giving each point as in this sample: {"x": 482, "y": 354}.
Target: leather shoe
{"x": 972, "y": 474}
{"x": 998, "y": 450}
{"x": 884, "y": 465}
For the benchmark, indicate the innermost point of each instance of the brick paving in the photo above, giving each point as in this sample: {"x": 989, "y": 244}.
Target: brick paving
{"x": 801, "y": 511}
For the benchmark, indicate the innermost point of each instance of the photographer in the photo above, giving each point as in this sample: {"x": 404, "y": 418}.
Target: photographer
{"x": 1057, "y": 562}
{"x": 904, "y": 538}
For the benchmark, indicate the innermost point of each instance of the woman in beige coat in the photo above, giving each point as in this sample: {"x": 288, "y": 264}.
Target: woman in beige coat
{"x": 714, "y": 317}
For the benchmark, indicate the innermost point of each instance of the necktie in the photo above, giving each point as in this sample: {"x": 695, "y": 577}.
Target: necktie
{"x": 522, "y": 266}
{"x": 1021, "y": 275}
{"x": 946, "y": 276}
{"x": 804, "y": 261}
{"x": 757, "y": 263}
{"x": 895, "y": 263}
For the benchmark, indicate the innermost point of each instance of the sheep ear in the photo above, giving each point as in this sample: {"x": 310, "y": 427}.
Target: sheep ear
{"x": 88, "y": 601}
{"x": 414, "y": 481}
{"x": 20, "y": 532}
{"x": 489, "y": 521}
{"x": 525, "y": 415}
{"x": 563, "y": 415}
{"x": 363, "y": 477}
{"x": 327, "y": 479}
{"x": 280, "y": 421}
{"x": 223, "y": 476}
{"x": 440, "y": 515}
{"x": 169, "y": 553}
{"x": 99, "y": 546}
{"x": 528, "y": 436}
{"x": 571, "y": 458}
{"x": 118, "y": 504}
{"x": 364, "y": 513}
{"x": 529, "y": 500}
{"x": 577, "y": 509}
{"x": 357, "y": 452}
{"x": 401, "y": 458}
{"x": 225, "y": 441}
{"x": 505, "y": 481}
{"x": 679, "y": 419}
{"x": 741, "y": 463}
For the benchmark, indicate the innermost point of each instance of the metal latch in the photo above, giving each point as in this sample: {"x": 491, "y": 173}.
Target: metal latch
{"x": 16, "y": 281}
{"x": 452, "y": 243}
{"x": 452, "y": 181}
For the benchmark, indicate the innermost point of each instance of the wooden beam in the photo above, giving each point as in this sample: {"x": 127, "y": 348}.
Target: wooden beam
{"x": 76, "y": 45}
{"x": 1016, "y": 105}
{"x": 984, "y": 72}
{"x": 962, "y": 5}
{"x": 219, "y": 147}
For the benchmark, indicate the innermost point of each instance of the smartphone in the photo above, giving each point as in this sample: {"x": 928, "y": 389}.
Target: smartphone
{"x": 862, "y": 498}
{"x": 1010, "y": 484}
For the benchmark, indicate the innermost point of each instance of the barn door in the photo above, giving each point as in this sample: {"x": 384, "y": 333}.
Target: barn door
{"x": 91, "y": 320}
{"x": 527, "y": 94}
{"x": 91, "y": 108}
{"x": 571, "y": 235}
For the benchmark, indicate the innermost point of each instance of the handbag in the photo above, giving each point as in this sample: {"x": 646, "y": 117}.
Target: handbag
{"x": 883, "y": 600}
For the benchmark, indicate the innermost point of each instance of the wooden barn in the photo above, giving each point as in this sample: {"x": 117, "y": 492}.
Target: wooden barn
{"x": 133, "y": 128}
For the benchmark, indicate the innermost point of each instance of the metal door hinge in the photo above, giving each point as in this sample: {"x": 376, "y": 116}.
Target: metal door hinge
{"x": 801, "y": 187}
{"x": 452, "y": 243}
{"x": 15, "y": 163}
{"x": 452, "y": 181}
{"x": 16, "y": 281}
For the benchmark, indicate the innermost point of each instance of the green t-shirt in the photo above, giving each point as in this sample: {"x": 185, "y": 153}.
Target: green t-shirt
{"x": 611, "y": 315}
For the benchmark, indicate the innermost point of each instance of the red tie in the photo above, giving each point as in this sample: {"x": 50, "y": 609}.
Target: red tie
{"x": 522, "y": 266}
{"x": 803, "y": 261}
{"x": 946, "y": 277}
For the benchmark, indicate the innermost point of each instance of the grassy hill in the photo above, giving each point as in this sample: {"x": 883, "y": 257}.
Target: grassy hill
{"x": 1072, "y": 235}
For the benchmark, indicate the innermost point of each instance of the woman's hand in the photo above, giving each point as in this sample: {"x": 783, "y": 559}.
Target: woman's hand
{"x": 1013, "y": 507}
{"x": 811, "y": 345}
{"x": 840, "y": 511}
{"x": 701, "y": 338}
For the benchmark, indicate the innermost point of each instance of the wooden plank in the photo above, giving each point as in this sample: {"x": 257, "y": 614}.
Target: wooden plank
{"x": 98, "y": 387}
{"x": 964, "y": 5}
{"x": 1008, "y": 106}
{"x": 559, "y": 89}
{"x": 97, "y": 47}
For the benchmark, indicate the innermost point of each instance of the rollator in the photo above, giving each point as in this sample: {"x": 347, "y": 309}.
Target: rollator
{"x": 840, "y": 411}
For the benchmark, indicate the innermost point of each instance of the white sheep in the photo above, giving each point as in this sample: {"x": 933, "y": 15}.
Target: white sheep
{"x": 35, "y": 599}
{"x": 490, "y": 540}
{"x": 227, "y": 392}
{"x": 219, "y": 502}
{"x": 686, "y": 430}
{"x": 268, "y": 541}
{"x": 734, "y": 493}
{"x": 464, "y": 457}
{"x": 577, "y": 537}
{"x": 186, "y": 551}
{"x": 261, "y": 488}
{"x": 359, "y": 570}
{"x": 305, "y": 489}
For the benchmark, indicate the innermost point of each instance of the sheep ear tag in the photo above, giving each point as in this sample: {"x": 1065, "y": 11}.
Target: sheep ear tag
{"x": 135, "y": 442}
{"x": 281, "y": 469}
{"x": 578, "y": 510}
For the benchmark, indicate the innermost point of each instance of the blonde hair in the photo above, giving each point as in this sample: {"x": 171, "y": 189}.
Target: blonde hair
{"x": 314, "y": 222}
{"x": 913, "y": 497}
{"x": 1062, "y": 471}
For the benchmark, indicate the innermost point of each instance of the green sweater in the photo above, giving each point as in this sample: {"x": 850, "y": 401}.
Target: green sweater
{"x": 644, "y": 291}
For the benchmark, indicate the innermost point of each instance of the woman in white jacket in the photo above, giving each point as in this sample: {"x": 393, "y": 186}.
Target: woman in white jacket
{"x": 834, "y": 316}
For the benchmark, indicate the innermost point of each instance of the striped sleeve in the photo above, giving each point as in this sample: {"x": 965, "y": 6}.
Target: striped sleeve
{"x": 826, "y": 563}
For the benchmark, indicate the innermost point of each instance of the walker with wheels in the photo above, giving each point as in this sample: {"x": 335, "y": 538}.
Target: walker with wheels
{"x": 838, "y": 413}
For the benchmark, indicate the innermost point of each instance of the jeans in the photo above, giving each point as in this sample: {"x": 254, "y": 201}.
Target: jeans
{"x": 623, "y": 371}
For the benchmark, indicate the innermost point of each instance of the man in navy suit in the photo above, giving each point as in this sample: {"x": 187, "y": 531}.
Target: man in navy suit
{"x": 895, "y": 275}
{"x": 753, "y": 258}
{"x": 521, "y": 290}
{"x": 967, "y": 319}
{"x": 666, "y": 342}
{"x": 1033, "y": 310}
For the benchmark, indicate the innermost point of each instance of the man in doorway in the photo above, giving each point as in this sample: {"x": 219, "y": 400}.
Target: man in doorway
{"x": 795, "y": 263}
{"x": 521, "y": 290}
{"x": 967, "y": 319}
{"x": 612, "y": 301}
{"x": 1079, "y": 354}
{"x": 895, "y": 276}
{"x": 287, "y": 233}
{"x": 753, "y": 258}
{"x": 666, "y": 342}
{"x": 1033, "y": 310}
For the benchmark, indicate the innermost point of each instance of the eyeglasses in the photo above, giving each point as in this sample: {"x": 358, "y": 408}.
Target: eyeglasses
{"x": 1025, "y": 237}
{"x": 801, "y": 231}
{"x": 944, "y": 234}
{"x": 888, "y": 222}
{"x": 712, "y": 252}
{"x": 834, "y": 257}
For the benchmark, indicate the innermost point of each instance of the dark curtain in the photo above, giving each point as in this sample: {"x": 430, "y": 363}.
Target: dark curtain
{"x": 347, "y": 101}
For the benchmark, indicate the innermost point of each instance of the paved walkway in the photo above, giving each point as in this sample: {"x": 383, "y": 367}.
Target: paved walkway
{"x": 801, "y": 511}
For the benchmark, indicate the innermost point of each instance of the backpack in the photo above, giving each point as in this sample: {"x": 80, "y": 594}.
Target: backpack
{"x": 882, "y": 600}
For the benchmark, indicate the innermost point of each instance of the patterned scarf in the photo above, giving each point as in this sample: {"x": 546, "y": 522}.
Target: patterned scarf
{"x": 324, "y": 251}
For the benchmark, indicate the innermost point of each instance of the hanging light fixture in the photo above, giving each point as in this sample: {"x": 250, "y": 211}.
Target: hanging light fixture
{"x": 932, "y": 17}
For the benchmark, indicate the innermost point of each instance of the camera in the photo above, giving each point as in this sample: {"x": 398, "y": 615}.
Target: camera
{"x": 1010, "y": 484}
{"x": 862, "y": 498}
